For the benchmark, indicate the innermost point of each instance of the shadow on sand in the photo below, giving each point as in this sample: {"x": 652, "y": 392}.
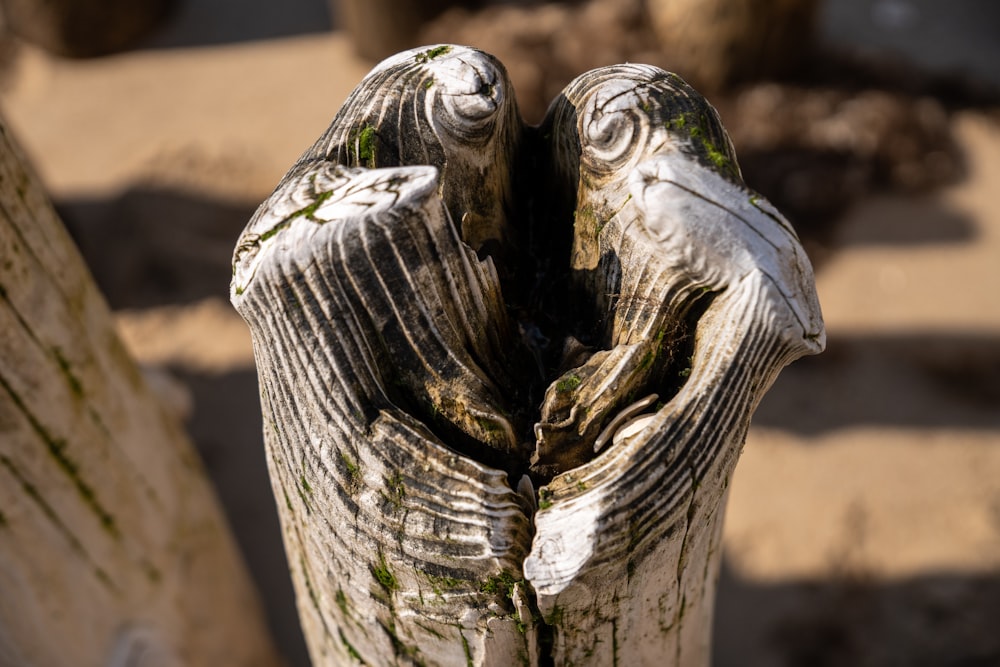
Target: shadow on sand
{"x": 935, "y": 620}
{"x": 888, "y": 380}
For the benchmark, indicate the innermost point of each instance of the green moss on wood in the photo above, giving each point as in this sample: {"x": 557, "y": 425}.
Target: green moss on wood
{"x": 35, "y": 495}
{"x": 351, "y": 651}
{"x": 686, "y": 371}
{"x": 544, "y": 498}
{"x": 384, "y": 576}
{"x": 440, "y": 584}
{"x": 430, "y": 54}
{"x": 353, "y": 470}
{"x": 500, "y": 584}
{"x": 467, "y": 649}
{"x": 72, "y": 381}
{"x": 429, "y": 630}
{"x": 308, "y": 212}
{"x": 568, "y": 383}
{"x": 304, "y": 498}
{"x": 313, "y": 597}
{"x": 56, "y": 448}
{"x": 399, "y": 647}
{"x": 555, "y": 617}
{"x": 586, "y": 220}
{"x": 397, "y": 490}
{"x": 367, "y": 145}
{"x": 697, "y": 128}
{"x": 340, "y": 598}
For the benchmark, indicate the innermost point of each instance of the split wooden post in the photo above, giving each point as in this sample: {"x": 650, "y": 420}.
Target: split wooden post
{"x": 507, "y": 372}
{"x": 113, "y": 549}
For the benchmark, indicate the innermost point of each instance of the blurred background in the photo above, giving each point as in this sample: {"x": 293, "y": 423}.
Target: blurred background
{"x": 864, "y": 520}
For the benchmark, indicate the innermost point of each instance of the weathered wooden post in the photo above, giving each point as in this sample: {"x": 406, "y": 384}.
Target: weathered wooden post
{"x": 113, "y": 549}
{"x": 506, "y": 372}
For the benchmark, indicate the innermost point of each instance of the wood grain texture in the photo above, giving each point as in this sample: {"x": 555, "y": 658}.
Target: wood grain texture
{"x": 450, "y": 310}
{"x": 629, "y": 543}
{"x": 380, "y": 342}
{"x": 113, "y": 549}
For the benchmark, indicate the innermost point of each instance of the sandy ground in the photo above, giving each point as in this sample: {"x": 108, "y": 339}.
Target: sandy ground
{"x": 864, "y": 520}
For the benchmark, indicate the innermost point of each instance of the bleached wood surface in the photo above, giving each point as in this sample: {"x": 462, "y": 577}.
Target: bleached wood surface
{"x": 506, "y": 372}
{"x": 113, "y": 549}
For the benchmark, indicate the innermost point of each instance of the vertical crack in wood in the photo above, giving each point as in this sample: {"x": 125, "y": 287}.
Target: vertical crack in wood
{"x": 450, "y": 310}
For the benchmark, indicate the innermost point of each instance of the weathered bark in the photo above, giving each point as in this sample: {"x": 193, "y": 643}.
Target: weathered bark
{"x": 449, "y": 309}
{"x": 113, "y": 550}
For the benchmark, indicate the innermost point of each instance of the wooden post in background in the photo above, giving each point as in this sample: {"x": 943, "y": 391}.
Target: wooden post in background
{"x": 717, "y": 43}
{"x": 113, "y": 548}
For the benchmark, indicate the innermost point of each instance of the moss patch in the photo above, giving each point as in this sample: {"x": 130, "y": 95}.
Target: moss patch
{"x": 384, "y": 576}
{"x": 430, "y": 54}
{"x": 400, "y": 648}
{"x": 341, "y": 599}
{"x": 467, "y": 649}
{"x": 309, "y": 211}
{"x": 544, "y": 498}
{"x": 500, "y": 584}
{"x": 440, "y": 584}
{"x": 568, "y": 383}
{"x": 353, "y": 470}
{"x": 367, "y": 145}
{"x": 698, "y": 129}
{"x": 397, "y": 489}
